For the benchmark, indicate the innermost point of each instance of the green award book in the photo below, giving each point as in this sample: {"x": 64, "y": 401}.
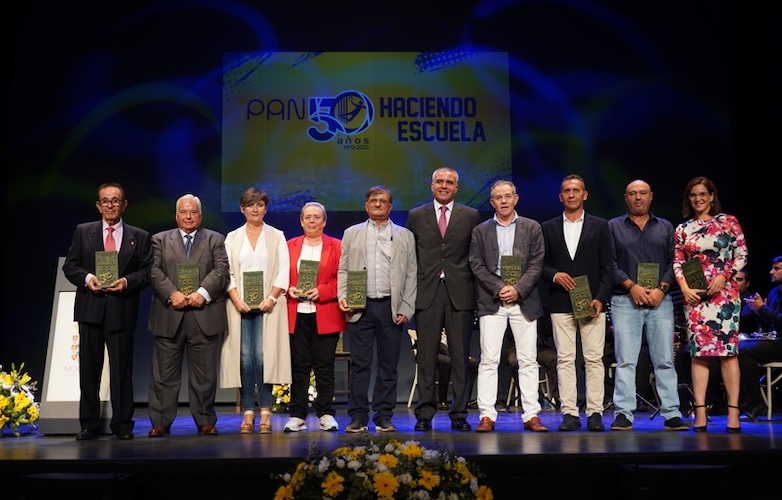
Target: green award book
{"x": 107, "y": 267}
{"x": 510, "y": 269}
{"x": 693, "y": 274}
{"x": 308, "y": 276}
{"x": 357, "y": 289}
{"x": 581, "y": 298}
{"x": 188, "y": 278}
{"x": 252, "y": 283}
{"x": 648, "y": 274}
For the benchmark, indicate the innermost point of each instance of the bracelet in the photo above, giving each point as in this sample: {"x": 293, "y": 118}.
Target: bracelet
{"x": 272, "y": 298}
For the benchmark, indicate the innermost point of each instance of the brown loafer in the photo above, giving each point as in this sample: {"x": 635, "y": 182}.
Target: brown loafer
{"x": 535, "y": 425}
{"x": 158, "y": 431}
{"x": 207, "y": 430}
{"x": 486, "y": 425}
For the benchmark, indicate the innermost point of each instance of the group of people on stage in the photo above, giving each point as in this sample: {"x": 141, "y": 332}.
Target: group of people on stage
{"x": 231, "y": 305}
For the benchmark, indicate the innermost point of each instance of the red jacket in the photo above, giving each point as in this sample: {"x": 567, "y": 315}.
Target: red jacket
{"x": 329, "y": 317}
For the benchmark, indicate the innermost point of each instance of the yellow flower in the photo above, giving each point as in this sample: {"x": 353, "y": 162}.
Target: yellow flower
{"x": 17, "y": 399}
{"x": 428, "y": 480}
{"x": 386, "y": 470}
{"x": 332, "y": 485}
{"x": 386, "y": 484}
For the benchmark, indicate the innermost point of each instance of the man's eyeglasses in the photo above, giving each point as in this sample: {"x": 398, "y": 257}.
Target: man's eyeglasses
{"x": 382, "y": 201}
{"x": 112, "y": 202}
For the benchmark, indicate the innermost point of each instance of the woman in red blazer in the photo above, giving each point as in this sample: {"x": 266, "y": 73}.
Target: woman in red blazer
{"x": 315, "y": 319}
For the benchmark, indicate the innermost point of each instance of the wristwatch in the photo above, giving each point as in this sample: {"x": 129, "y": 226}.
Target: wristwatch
{"x": 272, "y": 298}
{"x": 664, "y": 287}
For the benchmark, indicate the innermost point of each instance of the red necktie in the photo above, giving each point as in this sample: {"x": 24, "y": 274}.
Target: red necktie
{"x": 443, "y": 222}
{"x": 109, "y": 245}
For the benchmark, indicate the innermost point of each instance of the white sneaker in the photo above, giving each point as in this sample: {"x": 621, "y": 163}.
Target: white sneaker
{"x": 328, "y": 423}
{"x": 295, "y": 424}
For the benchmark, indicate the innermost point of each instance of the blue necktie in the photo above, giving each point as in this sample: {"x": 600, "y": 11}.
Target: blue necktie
{"x": 188, "y": 244}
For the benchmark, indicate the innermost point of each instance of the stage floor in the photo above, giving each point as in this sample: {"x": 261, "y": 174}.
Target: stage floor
{"x": 641, "y": 463}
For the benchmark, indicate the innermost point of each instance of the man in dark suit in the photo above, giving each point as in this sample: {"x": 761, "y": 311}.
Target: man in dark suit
{"x": 186, "y": 320}
{"x": 578, "y": 244}
{"x": 107, "y": 316}
{"x": 507, "y": 297}
{"x": 446, "y": 295}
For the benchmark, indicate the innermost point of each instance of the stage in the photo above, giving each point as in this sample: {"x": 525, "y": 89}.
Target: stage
{"x": 643, "y": 463}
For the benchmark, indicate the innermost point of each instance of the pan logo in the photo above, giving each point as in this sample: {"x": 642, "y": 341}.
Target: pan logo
{"x": 349, "y": 113}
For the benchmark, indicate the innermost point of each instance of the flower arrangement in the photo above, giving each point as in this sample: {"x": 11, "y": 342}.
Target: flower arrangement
{"x": 17, "y": 401}
{"x": 384, "y": 470}
{"x": 282, "y": 395}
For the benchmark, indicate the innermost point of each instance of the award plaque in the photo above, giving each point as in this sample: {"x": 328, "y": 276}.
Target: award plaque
{"x": 693, "y": 274}
{"x": 252, "y": 284}
{"x": 357, "y": 289}
{"x": 581, "y": 298}
{"x": 648, "y": 274}
{"x": 188, "y": 279}
{"x": 510, "y": 269}
{"x": 107, "y": 267}
{"x": 308, "y": 276}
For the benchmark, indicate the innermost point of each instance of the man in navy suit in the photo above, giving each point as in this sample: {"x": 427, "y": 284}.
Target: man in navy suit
{"x": 107, "y": 316}
{"x": 578, "y": 244}
{"x": 188, "y": 322}
{"x": 446, "y": 295}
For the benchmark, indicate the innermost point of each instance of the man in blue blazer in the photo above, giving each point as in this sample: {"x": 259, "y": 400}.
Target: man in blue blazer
{"x": 446, "y": 295}
{"x": 578, "y": 244}
{"x": 107, "y": 316}
{"x": 387, "y": 253}
{"x": 186, "y": 322}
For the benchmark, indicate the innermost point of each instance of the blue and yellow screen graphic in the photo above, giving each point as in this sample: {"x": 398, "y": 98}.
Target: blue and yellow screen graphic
{"x": 326, "y": 126}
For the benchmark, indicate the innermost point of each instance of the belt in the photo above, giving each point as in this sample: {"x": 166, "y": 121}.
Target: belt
{"x": 379, "y": 299}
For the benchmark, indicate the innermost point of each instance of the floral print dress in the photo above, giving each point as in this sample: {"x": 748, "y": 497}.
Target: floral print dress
{"x": 713, "y": 324}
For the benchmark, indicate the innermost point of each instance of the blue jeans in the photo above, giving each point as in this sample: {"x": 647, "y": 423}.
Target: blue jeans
{"x": 630, "y": 323}
{"x": 251, "y": 363}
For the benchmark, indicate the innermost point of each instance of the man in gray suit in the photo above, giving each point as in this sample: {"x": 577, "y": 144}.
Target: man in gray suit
{"x": 189, "y": 322}
{"x": 446, "y": 295}
{"x": 508, "y": 296}
{"x": 387, "y": 252}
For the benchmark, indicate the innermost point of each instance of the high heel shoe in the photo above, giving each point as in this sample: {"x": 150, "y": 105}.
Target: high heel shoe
{"x": 733, "y": 430}
{"x": 699, "y": 428}
{"x": 265, "y": 427}
{"x": 248, "y": 422}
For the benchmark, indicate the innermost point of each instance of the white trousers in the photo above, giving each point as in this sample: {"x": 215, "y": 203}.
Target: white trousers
{"x": 525, "y": 335}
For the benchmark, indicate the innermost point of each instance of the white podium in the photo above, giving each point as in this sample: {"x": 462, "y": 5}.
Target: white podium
{"x": 60, "y": 397}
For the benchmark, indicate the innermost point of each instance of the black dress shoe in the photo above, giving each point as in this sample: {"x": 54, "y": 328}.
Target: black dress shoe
{"x": 86, "y": 434}
{"x": 754, "y": 412}
{"x": 423, "y": 425}
{"x": 125, "y": 435}
{"x": 570, "y": 423}
{"x": 461, "y": 424}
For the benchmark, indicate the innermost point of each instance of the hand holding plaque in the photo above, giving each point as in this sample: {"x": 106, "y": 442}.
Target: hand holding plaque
{"x": 188, "y": 278}
{"x": 510, "y": 269}
{"x": 252, "y": 284}
{"x": 308, "y": 277}
{"x": 357, "y": 289}
{"x": 581, "y": 298}
{"x": 648, "y": 274}
{"x": 694, "y": 276}
{"x": 107, "y": 267}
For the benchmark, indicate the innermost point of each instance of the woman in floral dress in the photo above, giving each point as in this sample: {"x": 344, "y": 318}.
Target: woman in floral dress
{"x": 717, "y": 241}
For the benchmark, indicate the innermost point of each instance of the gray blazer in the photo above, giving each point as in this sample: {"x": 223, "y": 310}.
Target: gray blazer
{"x": 403, "y": 267}
{"x": 208, "y": 251}
{"x": 484, "y": 262}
